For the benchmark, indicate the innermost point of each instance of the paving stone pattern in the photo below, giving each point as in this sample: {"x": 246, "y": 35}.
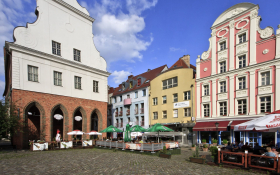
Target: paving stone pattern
{"x": 103, "y": 161}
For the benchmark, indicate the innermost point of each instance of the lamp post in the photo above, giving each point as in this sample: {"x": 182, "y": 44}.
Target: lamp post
{"x": 217, "y": 125}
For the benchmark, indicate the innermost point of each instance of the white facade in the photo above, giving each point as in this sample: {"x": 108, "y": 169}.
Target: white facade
{"x": 71, "y": 26}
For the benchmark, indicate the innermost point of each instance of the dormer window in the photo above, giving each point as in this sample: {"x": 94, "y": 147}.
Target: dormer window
{"x": 139, "y": 82}
{"x": 130, "y": 84}
{"x": 242, "y": 38}
{"x": 223, "y": 45}
{"x": 123, "y": 87}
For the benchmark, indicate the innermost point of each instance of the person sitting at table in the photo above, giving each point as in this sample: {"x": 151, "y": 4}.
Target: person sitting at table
{"x": 270, "y": 154}
{"x": 229, "y": 147}
{"x": 245, "y": 147}
{"x": 257, "y": 148}
{"x": 235, "y": 146}
{"x": 273, "y": 149}
{"x": 241, "y": 144}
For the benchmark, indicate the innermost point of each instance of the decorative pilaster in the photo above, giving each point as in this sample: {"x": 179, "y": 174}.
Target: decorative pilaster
{"x": 198, "y": 67}
{"x": 198, "y": 96}
{"x": 277, "y": 87}
{"x": 231, "y": 95}
{"x": 214, "y": 45}
{"x": 231, "y": 45}
{"x": 214, "y": 100}
{"x": 253, "y": 37}
{"x": 252, "y": 93}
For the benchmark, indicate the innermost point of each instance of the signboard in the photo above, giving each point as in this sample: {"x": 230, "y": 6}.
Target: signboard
{"x": 182, "y": 104}
{"x": 40, "y": 146}
{"x": 66, "y": 144}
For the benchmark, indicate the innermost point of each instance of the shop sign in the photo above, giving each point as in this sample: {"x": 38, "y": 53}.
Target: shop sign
{"x": 182, "y": 104}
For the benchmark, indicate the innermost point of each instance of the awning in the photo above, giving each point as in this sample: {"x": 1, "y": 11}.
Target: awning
{"x": 237, "y": 122}
{"x": 210, "y": 126}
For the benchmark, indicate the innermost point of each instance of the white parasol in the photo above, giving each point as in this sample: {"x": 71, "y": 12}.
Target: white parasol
{"x": 76, "y": 132}
{"x": 78, "y": 118}
{"x": 58, "y": 116}
{"x": 136, "y": 134}
{"x": 94, "y": 133}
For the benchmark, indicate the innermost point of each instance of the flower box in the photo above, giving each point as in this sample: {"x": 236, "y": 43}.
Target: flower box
{"x": 197, "y": 160}
{"x": 39, "y": 146}
{"x": 205, "y": 149}
{"x": 168, "y": 156}
{"x": 66, "y": 144}
{"x": 193, "y": 148}
{"x": 87, "y": 143}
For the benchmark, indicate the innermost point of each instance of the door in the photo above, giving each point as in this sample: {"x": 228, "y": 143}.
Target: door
{"x": 253, "y": 138}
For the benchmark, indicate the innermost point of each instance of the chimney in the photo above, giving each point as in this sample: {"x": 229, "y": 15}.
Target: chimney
{"x": 149, "y": 70}
{"x": 186, "y": 59}
{"x": 130, "y": 76}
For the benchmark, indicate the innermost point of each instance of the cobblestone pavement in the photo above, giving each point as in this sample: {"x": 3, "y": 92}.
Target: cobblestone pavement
{"x": 103, "y": 161}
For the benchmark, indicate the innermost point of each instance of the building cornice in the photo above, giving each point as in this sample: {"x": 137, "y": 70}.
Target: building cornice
{"x": 50, "y": 57}
{"x": 236, "y": 71}
{"x": 66, "y": 5}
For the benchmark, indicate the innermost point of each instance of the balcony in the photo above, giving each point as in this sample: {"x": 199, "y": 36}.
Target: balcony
{"x": 142, "y": 111}
{"x": 116, "y": 114}
{"x": 117, "y": 125}
{"x": 127, "y": 101}
{"x": 142, "y": 123}
{"x": 128, "y": 112}
{"x": 121, "y": 125}
{"x": 120, "y": 113}
{"x": 136, "y": 111}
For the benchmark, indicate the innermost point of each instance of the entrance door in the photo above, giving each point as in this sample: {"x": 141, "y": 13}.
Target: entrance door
{"x": 253, "y": 138}
{"x": 237, "y": 136}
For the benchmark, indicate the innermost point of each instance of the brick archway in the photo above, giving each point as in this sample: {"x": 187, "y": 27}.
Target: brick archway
{"x": 84, "y": 119}
{"x": 65, "y": 120}
{"x": 100, "y": 119}
{"x": 42, "y": 121}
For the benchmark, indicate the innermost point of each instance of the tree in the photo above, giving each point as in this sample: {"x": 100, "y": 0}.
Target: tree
{"x": 10, "y": 122}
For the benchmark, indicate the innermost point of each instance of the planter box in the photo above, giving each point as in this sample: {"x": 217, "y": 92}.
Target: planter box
{"x": 67, "y": 144}
{"x": 193, "y": 148}
{"x": 197, "y": 160}
{"x": 205, "y": 149}
{"x": 214, "y": 144}
{"x": 168, "y": 156}
{"x": 39, "y": 146}
{"x": 87, "y": 143}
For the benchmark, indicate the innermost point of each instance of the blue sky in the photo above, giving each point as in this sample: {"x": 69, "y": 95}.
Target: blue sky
{"x": 136, "y": 35}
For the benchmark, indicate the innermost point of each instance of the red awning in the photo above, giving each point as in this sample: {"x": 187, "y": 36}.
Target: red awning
{"x": 210, "y": 126}
{"x": 237, "y": 122}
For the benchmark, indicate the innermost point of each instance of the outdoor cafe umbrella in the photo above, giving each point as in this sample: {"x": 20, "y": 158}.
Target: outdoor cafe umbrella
{"x": 94, "y": 133}
{"x": 76, "y": 132}
{"x": 137, "y": 128}
{"x": 111, "y": 129}
{"x": 159, "y": 127}
{"x": 127, "y": 137}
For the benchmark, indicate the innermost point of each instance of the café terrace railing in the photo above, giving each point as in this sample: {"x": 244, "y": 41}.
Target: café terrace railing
{"x": 248, "y": 160}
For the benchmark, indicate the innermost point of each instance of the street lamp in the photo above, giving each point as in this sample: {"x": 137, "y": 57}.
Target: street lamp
{"x": 217, "y": 125}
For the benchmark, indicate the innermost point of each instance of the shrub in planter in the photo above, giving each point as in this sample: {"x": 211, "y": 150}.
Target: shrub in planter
{"x": 214, "y": 152}
{"x": 195, "y": 158}
{"x": 203, "y": 141}
{"x": 225, "y": 141}
{"x": 163, "y": 153}
{"x": 205, "y": 148}
{"x": 193, "y": 147}
{"x": 215, "y": 141}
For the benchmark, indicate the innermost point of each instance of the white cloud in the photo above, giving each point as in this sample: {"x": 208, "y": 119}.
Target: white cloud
{"x": 120, "y": 76}
{"x": 116, "y": 33}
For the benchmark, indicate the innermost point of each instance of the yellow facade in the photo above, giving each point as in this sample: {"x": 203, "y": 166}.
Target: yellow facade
{"x": 185, "y": 80}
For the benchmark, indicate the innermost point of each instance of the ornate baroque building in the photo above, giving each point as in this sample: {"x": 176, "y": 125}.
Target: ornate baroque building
{"x": 53, "y": 67}
{"x": 238, "y": 78}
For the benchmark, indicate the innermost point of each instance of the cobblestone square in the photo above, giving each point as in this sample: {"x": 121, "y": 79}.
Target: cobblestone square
{"x": 103, "y": 161}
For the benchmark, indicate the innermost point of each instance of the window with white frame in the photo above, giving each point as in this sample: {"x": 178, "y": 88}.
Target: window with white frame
{"x": 136, "y": 94}
{"x": 242, "y": 107}
{"x": 223, "y": 108}
{"x": 265, "y": 78}
{"x": 206, "y": 110}
{"x": 187, "y": 112}
{"x": 32, "y": 73}
{"x": 169, "y": 83}
{"x": 242, "y": 61}
{"x": 223, "y": 86}
{"x": 56, "y": 48}
{"x": 265, "y": 103}
{"x": 242, "y": 82}
{"x": 222, "y": 66}
{"x": 155, "y": 115}
{"x": 164, "y": 114}
{"x": 223, "y": 45}
{"x": 144, "y": 92}
{"x": 175, "y": 113}
{"x": 164, "y": 100}
{"x": 77, "y": 55}
{"x": 242, "y": 38}
{"x": 120, "y": 98}
{"x": 57, "y": 78}
{"x": 95, "y": 86}
{"x": 115, "y": 100}
{"x": 78, "y": 82}
{"x": 187, "y": 95}
{"x": 206, "y": 89}
{"x": 155, "y": 101}
{"x": 175, "y": 97}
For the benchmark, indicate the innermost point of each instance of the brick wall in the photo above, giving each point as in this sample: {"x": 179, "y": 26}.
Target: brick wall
{"x": 47, "y": 103}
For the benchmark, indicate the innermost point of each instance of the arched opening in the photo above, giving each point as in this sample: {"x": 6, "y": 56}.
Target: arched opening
{"x": 33, "y": 123}
{"x": 94, "y": 122}
{"x": 78, "y": 122}
{"x": 57, "y": 122}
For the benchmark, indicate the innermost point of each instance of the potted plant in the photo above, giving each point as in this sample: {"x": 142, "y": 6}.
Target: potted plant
{"x": 195, "y": 158}
{"x": 193, "y": 147}
{"x": 214, "y": 153}
{"x": 205, "y": 148}
{"x": 203, "y": 141}
{"x": 225, "y": 141}
{"x": 163, "y": 153}
{"x": 215, "y": 141}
